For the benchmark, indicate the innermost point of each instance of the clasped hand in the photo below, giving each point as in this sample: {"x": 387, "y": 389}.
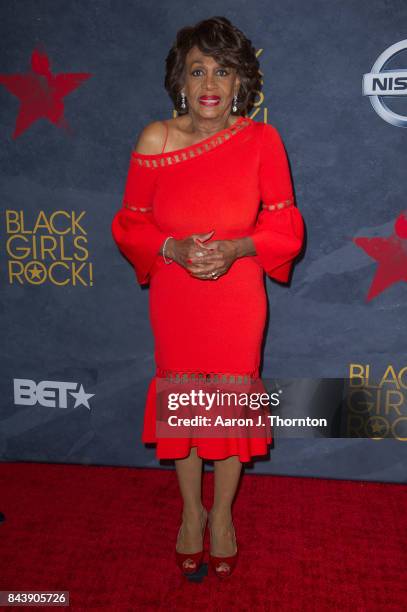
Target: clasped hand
{"x": 200, "y": 260}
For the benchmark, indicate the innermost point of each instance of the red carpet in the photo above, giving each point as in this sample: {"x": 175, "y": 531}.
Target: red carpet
{"x": 107, "y": 535}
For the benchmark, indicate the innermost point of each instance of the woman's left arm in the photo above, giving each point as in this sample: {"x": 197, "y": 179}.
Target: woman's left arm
{"x": 279, "y": 232}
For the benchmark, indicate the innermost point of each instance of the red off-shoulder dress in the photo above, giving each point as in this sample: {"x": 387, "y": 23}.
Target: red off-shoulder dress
{"x": 238, "y": 183}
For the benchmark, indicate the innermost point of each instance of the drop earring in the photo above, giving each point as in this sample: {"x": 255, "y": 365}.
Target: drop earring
{"x": 234, "y": 107}
{"x": 183, "y": 105}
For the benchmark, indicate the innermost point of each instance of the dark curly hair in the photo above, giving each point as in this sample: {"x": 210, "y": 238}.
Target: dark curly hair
{"x": 225, "y": 43}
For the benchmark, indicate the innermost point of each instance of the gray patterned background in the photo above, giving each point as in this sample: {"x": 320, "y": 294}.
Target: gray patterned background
{"x": 348, "y": 167}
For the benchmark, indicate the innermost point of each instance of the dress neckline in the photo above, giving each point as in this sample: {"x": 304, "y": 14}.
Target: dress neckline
{"x": 155, "y": 160}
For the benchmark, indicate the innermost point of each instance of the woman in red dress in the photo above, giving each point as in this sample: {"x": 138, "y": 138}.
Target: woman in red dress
{"x": 208, "y": 208}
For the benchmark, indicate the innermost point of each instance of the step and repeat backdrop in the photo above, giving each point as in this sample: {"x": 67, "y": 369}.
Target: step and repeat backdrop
{"x": 78, "y": 81}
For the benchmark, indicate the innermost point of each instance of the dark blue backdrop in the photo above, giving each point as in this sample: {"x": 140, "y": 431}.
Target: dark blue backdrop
{"x": 348, "y": 166}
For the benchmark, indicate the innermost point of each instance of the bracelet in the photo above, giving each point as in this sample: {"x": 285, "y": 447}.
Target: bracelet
{"x": 165, "y": 259}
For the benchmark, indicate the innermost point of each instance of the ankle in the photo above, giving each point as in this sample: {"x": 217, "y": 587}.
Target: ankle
{"x": 193, "y": 513}
{"x": 221, "y": 516}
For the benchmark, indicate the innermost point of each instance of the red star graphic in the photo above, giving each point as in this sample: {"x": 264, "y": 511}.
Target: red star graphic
{"x": 391, "y": 255}
{"x": 40, "y": 92}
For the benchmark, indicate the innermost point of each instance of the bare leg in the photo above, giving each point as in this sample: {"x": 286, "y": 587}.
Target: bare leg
{"x": 227, "y": 474}
{"x": 189, "y": 472}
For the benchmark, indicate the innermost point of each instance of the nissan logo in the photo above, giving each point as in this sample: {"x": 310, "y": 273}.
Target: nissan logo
{"x": 380, "y": 83}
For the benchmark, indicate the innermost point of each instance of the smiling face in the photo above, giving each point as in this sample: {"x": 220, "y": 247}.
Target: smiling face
{"x": 209, "y": 87}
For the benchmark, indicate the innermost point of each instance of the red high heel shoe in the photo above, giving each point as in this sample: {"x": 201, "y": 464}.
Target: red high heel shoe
{"x": 189, "y": 563}
{"x": 224, "y": 566}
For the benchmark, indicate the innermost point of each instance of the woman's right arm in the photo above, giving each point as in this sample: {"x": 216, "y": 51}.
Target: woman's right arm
{"x": 133, "y": 226}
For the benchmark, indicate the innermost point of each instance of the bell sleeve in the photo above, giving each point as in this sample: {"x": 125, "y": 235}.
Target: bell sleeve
{"x": 279, "y": 231}
{"x": 133, "y": 226}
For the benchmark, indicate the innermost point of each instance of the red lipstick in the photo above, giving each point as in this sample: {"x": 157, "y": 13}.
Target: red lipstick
{"x": 209, "y": 100}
